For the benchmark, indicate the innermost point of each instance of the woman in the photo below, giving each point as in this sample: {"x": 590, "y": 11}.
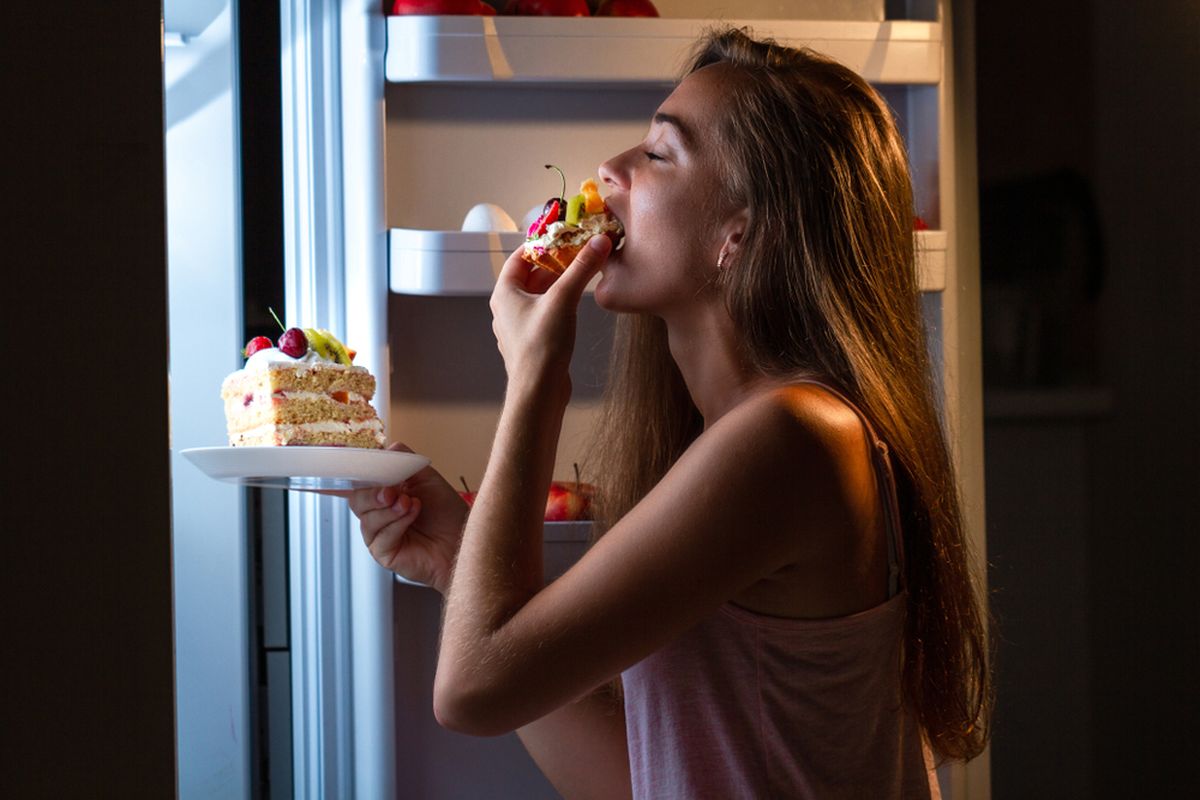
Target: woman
{"x": 783, "y": 585}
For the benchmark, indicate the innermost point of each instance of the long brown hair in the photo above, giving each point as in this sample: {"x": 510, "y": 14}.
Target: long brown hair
{"x": 823, "y": 286}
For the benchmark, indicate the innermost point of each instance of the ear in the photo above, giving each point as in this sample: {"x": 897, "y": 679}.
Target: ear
{"x": 731, "y": 233}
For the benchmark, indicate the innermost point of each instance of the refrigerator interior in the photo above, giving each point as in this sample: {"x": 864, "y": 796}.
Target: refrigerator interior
{"x": 480, "y": 145}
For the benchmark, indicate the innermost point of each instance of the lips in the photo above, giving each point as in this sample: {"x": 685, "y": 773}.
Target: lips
{"x": 618, "y": 236}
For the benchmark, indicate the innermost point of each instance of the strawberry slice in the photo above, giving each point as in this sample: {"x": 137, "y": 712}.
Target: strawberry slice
{"x": 553, "y": 210}
{"x": 536, "y": 229}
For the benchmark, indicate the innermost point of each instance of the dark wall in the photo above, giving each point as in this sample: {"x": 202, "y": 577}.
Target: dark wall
{"x": 87, "y": 643}
{"x": 1107, "y": 621}
{"x": 1145, "y": 625}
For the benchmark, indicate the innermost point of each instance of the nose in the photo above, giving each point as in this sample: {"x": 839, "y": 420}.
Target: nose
{"x": 613, "y": 172}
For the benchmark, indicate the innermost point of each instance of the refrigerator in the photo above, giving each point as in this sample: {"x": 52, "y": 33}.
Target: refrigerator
{"x": 392, "y": 129}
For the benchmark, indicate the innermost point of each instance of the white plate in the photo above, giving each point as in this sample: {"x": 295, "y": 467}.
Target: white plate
{"x": 306, "y": 468}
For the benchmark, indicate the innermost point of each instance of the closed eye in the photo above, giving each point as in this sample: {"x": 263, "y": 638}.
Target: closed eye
{"x": 651, "y": 156}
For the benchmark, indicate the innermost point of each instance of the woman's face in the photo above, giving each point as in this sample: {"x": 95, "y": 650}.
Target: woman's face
{"x": 665, "y": 192}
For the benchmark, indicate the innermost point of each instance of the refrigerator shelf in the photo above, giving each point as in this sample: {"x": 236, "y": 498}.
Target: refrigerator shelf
{"x": 463, "y": 263}
{"x": 622, "y": 51}
{"x": 931, "y": 260}
{"x": 447, "y": 263}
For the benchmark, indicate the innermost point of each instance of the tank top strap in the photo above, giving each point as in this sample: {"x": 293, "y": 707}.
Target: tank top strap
{"x": 885, "y": 483}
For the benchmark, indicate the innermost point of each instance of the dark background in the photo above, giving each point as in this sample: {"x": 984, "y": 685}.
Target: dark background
{"x": 88, "y": 707}
{"x": 1088, "y": 127}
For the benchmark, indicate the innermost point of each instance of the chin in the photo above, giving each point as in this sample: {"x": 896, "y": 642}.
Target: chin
{"x": 614, "y": 292}
{"x": 607, "y": 288}
{"x": 608, "y": 297}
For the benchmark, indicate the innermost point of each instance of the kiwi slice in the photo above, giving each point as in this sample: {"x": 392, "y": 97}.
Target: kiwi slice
{"x": 319, "y": 344}
{"x": 337, "y": 350}
{"x": 328, "y": 346}
{"x": 575, "y": 209}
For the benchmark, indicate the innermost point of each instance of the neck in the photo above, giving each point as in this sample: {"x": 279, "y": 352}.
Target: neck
{"x": 704, "y": 347}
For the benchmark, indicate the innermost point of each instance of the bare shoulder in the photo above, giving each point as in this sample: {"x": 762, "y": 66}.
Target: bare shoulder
{"x": 806, "y": 446}
{"x": 808, "y": 452}
{"x": 796, "y": 420}
{"x": 796, "y": 456}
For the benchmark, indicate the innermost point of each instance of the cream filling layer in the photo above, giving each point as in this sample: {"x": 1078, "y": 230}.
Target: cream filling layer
{"x": 325, "y": 426}
{"x": 351, "y": 397}
{"x": 562, "y": 234}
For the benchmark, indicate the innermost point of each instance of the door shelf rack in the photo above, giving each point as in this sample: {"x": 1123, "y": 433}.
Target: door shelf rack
{"x": 466, "y": 263}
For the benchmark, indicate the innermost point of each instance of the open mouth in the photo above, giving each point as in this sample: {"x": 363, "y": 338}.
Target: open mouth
{"x": 617, "y": 236}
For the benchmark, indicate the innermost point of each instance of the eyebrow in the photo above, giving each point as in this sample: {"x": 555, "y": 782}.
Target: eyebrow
{"x": 684, "y": 131}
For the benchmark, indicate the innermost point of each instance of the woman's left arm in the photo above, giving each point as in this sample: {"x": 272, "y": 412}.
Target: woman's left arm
{"x": 499, "y": 566}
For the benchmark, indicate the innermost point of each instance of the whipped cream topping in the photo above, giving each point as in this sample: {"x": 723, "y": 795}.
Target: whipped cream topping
{"x": 563, "y": 234}
{"x": 263, "y": 359}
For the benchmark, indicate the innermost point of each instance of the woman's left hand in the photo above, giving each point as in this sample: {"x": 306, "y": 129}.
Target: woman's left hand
{"x": 534, "y": 313}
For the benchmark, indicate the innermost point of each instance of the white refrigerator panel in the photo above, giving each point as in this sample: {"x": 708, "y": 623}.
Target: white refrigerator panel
{"x": 209, "y": 558}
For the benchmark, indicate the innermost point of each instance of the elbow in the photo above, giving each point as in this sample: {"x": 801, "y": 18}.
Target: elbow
{"x": 474, "y": 713}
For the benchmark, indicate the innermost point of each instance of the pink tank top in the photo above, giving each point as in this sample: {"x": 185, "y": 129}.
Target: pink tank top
{"x": 745, "y": 705}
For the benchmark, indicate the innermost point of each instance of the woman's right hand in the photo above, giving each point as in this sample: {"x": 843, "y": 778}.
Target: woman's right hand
{"x": 413, "y": 528}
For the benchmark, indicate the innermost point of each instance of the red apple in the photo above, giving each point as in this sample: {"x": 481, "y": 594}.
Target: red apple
{"x": 568, "y": 501}
{"x": 402, "y": 7}
{"x": 627, "y": 8}
{"x": 548, "y": 8}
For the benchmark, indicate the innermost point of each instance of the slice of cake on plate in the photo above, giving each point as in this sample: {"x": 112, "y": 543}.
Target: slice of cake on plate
{"x": 306, "y": 391}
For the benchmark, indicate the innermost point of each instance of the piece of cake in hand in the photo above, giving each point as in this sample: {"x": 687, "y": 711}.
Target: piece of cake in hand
{"x": 565, "y": 226}
{"x": 305, "y": 391}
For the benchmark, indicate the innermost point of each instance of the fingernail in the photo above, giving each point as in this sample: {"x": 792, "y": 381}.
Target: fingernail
{"x": 597, "y": 242}
{"x": 382, "y": 498}
{"x": 403, "y": 504}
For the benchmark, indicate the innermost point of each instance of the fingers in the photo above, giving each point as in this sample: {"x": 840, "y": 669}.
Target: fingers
{"x": 585, "y": 266}
{"x": 539, "y": 280}
{"x": 386, "y": 541}
{"x": 515, "y": 271}
{"x": 363, "y": 501}
{"x": 390, "y": 521}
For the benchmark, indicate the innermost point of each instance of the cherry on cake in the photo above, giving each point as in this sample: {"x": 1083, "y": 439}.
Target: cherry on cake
{"x": 305, "y": 391}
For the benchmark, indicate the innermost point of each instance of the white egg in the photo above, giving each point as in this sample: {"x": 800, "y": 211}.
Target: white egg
{"x": 488, "y": 217}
